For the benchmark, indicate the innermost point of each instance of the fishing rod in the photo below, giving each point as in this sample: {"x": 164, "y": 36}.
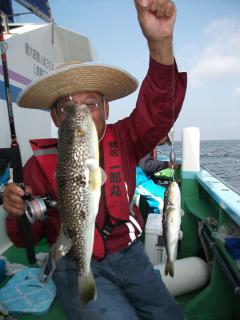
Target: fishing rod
{"x": 14, "y": 150}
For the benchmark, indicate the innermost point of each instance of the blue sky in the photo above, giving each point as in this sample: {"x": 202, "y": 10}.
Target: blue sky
{"x": 206, "y": 45}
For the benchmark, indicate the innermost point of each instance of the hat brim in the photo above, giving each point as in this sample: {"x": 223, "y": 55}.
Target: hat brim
{"x": 113, "y": 83}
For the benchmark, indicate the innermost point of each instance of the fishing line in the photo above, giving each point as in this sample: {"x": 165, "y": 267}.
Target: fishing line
{"x": 172, "y": 155}
{"x": 105, "y": 118}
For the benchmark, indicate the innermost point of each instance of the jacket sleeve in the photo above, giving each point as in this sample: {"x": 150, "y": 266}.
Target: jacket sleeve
{"x": 158, "y": 105}
{"x": 150, "y": 165}
{"x": 34, "y": 177}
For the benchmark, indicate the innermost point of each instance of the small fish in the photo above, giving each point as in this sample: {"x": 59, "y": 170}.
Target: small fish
{"x": 171, "y": 224}
{"x": 172, "y": 157}
{"x": 79, "y": 180}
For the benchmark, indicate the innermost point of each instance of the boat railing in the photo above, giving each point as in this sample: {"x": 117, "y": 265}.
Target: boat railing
{"x": 221, "y": 180}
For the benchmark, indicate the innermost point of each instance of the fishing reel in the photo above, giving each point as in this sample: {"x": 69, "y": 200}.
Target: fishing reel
{"x": 36, "y": 207}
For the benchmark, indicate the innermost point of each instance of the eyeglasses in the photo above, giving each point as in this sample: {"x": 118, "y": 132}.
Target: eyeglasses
{"x": 91, "y": 103}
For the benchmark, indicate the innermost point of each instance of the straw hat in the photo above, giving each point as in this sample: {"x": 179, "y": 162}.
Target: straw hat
{"x": 74, "y": 76}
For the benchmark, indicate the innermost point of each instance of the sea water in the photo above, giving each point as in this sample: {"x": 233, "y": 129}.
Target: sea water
{"x": 220, "y": 157}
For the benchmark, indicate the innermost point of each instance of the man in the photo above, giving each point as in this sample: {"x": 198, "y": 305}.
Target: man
{"x": 145, "y": 186}
{"x": 150, "y": 164}
{"x": 127, "y": 285}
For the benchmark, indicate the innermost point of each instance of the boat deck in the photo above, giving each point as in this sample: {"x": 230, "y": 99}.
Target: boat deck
{"x": 18, "y": 255}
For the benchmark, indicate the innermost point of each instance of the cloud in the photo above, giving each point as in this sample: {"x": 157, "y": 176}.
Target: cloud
{"x": 236, "y": 92}
{"x": 221, "y": 55}
{"x": 233, "y": 124}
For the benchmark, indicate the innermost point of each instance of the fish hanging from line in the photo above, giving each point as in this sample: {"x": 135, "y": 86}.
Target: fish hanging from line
{"x": 171, "y": 224}
{"x": 79, "y": 180}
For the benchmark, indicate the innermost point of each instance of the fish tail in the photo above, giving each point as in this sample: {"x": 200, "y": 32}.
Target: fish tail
{"x": 169, "y": 268}
{"x": 87, "y": 288}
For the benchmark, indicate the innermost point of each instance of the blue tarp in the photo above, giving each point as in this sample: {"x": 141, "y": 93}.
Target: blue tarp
{"x": 39, "y": 7}
{"x": 6, "y": 7}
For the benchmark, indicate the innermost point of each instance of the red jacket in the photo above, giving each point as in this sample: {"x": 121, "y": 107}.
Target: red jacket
{"x": 136, "y": 135}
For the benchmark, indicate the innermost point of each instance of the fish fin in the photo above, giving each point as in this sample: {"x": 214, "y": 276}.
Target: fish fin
{"x": 103, "y": 176}
{"x": 56, "y": 252}
{"x": 180, "y": 235}
{"x": 95, "y": 173}
{"x": 62, "y": 246}
{"x": 169, "y": 268}
{"x": 92, "y": 164}
{"x": 87, "y": 288}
